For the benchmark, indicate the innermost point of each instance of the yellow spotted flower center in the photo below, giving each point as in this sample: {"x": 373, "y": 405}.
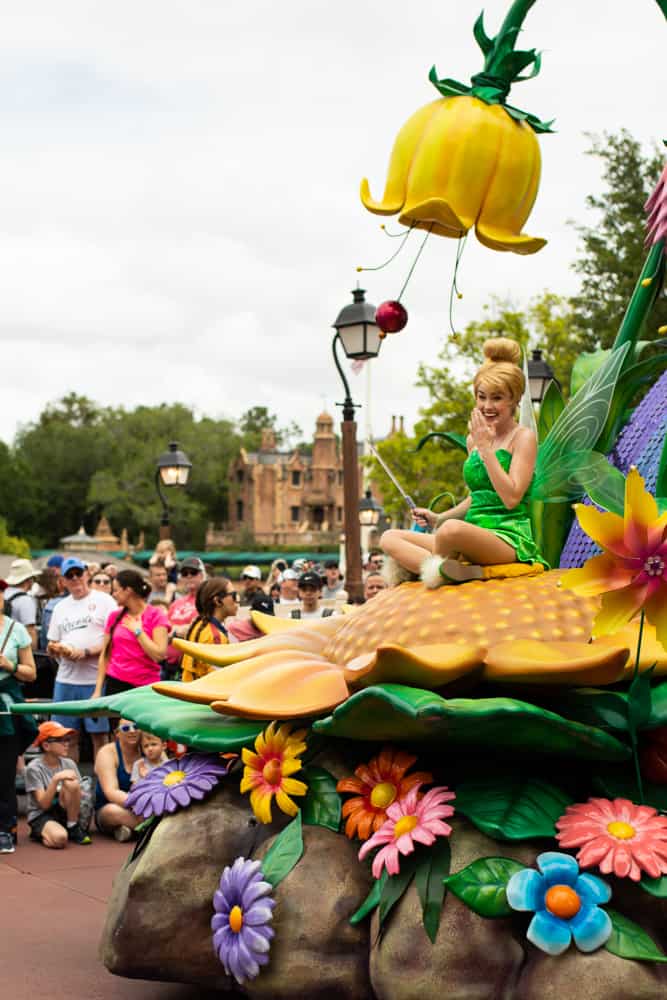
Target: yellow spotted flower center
{"x": 405, "y": 825}
{"x": 383, "y": 795}
{"x": 174, "y": 778}
{"x": 236, "y": 919}
{"x": 562, "y": 901}
{"x": 272, "y": 772}
{"x": 620, "y": 830}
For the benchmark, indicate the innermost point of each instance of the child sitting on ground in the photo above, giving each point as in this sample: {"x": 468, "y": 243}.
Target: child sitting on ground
{"x": 154, "y": 750}
{"x": 53, "y": 787}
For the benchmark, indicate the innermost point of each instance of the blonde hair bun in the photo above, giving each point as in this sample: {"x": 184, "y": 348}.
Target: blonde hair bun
{"x": 502, "y": 349}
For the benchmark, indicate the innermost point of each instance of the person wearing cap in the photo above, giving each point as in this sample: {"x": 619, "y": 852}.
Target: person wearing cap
{"x": 333, "y": 587}
{"x": 53, "y": 787}
{"x": 310, "y": 591}
{"x": 251, "y": 584}
{"x": 75, "y": 638}
{"x": 55, "y": 563}
{"x": 289, "y": 591}
{"x": 183, "y": 611}
{"x": 17, "y": 666}
{"x": 19, "y": 602}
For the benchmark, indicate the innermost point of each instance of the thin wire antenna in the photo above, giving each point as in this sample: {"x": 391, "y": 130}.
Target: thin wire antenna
{"x": 393, "y": 256}
{"x": 414, "y": 263}
{"x": 454, "y": 290}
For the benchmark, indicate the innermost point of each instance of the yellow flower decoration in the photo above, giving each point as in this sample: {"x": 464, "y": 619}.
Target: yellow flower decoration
{"x": 631, "y": 573}
{"x": 267, "y": 772}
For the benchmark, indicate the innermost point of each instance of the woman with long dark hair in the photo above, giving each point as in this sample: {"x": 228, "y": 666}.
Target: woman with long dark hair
{"x": 216, "y": 600}
{"x": 136, "y": 637}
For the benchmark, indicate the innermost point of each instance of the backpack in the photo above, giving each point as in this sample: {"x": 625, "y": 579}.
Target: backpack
{"x": 9, "y": 602}
{"x": 326, "y": 613}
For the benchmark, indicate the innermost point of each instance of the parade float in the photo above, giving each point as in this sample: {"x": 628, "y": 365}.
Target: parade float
{"x": 459, "y": 791}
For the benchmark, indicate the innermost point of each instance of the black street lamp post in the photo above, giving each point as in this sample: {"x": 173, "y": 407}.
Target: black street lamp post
{"x": 539, "y": 375}
{"x": 172, "y": 469}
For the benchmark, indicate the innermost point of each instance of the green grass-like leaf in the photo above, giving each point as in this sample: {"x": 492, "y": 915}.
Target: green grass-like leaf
{"x": 512, "y": 808}
{"x": 482, "y": 884}
{"x": 430, "y": 877}
{"x": 397, "y": 712}
{"x": 395, "y": 886}
{"x": 371, "y": 901}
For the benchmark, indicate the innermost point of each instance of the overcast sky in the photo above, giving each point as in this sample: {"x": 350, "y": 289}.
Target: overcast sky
{"x": 179, "y": 209}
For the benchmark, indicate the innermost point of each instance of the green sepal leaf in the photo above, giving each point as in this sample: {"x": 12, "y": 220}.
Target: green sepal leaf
{"x": 481, "y": 886}
{"x": 431, "y": 872}
{"x": 371, "y": 901}
{"x": 322, "y": 805}
{"x": 458, "y": 440}
{"x": 285, "y": 852}
{"x": 629, "y": 940}
{"x": 395, "y": 886}
{"x": 513, "y": 808}
{"x": 485, "y": 43}
{"x": 551, "y": 408}
{"x": 655, "y": 886}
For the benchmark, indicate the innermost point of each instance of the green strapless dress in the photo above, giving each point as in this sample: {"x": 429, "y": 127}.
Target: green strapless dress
{"x": 488, "y": 511}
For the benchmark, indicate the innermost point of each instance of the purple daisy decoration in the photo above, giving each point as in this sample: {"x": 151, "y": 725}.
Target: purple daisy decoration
{"x": 176, "y": 784}
{"x": 243, "y": 909}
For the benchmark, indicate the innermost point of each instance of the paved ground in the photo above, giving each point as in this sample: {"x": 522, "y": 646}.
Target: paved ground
{"x": 52, "y": 906}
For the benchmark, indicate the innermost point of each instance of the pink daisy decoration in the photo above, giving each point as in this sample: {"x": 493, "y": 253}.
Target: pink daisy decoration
{"x": 409, "y": 820}
{"x": 619, "y": 837}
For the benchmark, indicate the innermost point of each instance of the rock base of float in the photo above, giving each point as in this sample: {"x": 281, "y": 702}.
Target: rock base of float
{"x": 158, "y": 923}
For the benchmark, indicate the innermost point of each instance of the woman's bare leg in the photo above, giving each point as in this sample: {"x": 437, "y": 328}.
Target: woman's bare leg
{"x": 409, "y": 548}
{"x": 479, "y": 545}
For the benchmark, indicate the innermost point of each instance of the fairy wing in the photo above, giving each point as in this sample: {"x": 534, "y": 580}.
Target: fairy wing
{"x": 566, "y": 466}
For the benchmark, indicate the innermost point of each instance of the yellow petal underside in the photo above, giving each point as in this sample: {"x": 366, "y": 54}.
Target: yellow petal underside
{"x": 529, "y": 661}
{"x": 651, "y": 650}
{"x": 597, "y": 576}
{"x": 618, "y": 608}
{"x": 286, "y": 692}
{"x": 656, "y": 612}
{"x": 310, "y": 637}
{"x": 643, "y": 526}
{"x": 429, "y": 666}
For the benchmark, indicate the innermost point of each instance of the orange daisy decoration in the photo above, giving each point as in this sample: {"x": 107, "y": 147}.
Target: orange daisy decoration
{"x": 631, "y": 573}
{"x": 267, "y": 772}
{"x": 378, "y": 784}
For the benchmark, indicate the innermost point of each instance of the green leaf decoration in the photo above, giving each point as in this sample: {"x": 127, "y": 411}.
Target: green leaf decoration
{"x": 397, "y": 712}
{"x": 371, "y": 901}
{"x": 629, "y": 940}
{"x": 655, "y": 886}
{"x": 395, "y": 886}
{"x": 661, "y": 482}
{"x": 322, "y": 805}
{"x": 485, "y": 43}
{"x": 609, "y": 709}
{"x": 639, "y": 700}
{"x": 551, "y": 408}
{"x": 585, "y": 366}
{"x": 482, "y": 885}
{"x": 431, "y": 872}
{"x": 285, "y": 852}
{"x": 512, "y": 808}
{"x": 198, "y": 726}
{"x": 458, "y": 440}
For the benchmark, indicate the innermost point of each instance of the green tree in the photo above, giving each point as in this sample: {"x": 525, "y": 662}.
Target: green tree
{"x": 258, "y": 419}
{"x": 612, "y": 251}
{"x": 10, "y": 545}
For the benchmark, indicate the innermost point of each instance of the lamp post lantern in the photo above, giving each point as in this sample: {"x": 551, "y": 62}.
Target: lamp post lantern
{"x": 172, "y": 469}
{"x": 357, "y": 331}
{"x": 539, "y": 375}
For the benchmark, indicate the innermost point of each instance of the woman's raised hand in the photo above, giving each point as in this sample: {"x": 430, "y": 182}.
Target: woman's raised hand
{"x": 481, "y": 434}
{"x": 424, "y": 517}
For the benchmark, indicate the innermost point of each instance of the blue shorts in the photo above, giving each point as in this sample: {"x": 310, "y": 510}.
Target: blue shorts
{"x": 77, "y": 692}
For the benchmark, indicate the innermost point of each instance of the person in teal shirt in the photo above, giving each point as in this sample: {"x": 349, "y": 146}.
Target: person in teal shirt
{"x": 17, "y": 666}
{"x": 492, "y": 525}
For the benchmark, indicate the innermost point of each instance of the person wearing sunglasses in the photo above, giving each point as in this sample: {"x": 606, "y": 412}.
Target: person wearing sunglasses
{"x": 215, "y": 601}
{"x": 183, "y": 611}
{"x": 136, "y": 637}
{"x": 113, "y": 768}
{"x": 101, "y": 581}
{"x": 75, "y": 638}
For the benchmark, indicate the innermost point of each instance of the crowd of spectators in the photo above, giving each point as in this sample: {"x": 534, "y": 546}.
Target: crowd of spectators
{"x": 106, "y": 631}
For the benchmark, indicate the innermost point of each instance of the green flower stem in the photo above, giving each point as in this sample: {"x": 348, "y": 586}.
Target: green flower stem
{"x": 633, "y": 727}
{"x": 642, "y": 298}
{"x": 516, "y": 16}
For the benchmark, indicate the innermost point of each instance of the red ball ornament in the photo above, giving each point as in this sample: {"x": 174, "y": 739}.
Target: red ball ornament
{"x": 391, "y": 316}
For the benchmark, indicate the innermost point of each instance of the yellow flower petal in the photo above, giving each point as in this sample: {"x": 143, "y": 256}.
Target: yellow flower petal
{"x": 251, "y": 759}
{"x": 597, "y": 576}
{"x": 291, "y": 766}
{"x": 260, "y": 801}
{"x": 285, "y": 803}
{"x": 641, "y": 510}
{"x": 249, "y": 780}
{"x": 656, "y": 612}
{"x": 618, "y": 608}
{"x": 604, "y": 528}
{"x": 293, "y": 787}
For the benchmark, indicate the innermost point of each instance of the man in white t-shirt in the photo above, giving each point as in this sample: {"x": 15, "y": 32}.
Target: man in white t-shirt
{"x": 310, "y": 591}
{"x": 75, "y": 638}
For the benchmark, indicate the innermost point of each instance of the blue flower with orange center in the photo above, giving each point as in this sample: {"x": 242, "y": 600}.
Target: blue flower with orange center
{"x": 566, "y": 904}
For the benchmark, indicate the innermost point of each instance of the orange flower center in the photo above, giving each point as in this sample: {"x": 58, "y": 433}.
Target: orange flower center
{"x": 405, "y": 825}
{"x": 174, "y": 778}
{"x": 654, "y": 566}
{"x": 236, "y": 919}
{"x": 272, "y": 772}
{"x": 620, "y": 830}
{"x": 383, "y": 795}
{"x": 562, "y": 901}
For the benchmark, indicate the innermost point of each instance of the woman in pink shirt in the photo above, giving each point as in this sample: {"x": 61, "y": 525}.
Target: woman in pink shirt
{"x": 136, "y": 638}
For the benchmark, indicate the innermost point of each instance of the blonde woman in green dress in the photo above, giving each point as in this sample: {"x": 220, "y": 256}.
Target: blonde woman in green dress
{"x": 491, "y": 526}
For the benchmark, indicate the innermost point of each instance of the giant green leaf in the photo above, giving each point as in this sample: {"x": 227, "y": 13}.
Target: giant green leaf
{"x": 482, "y": 885}
{"x": 551, "y": 408}
{"x": 322, "y": 805}
{"x": 198, "y": 726}
{"x": 512, "y": 808}
{"x": 397, "y": 712}
{"x": 629, "y": 940}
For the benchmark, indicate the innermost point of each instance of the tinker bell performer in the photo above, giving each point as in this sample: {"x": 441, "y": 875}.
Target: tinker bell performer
{"x": 491, "y": 526}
